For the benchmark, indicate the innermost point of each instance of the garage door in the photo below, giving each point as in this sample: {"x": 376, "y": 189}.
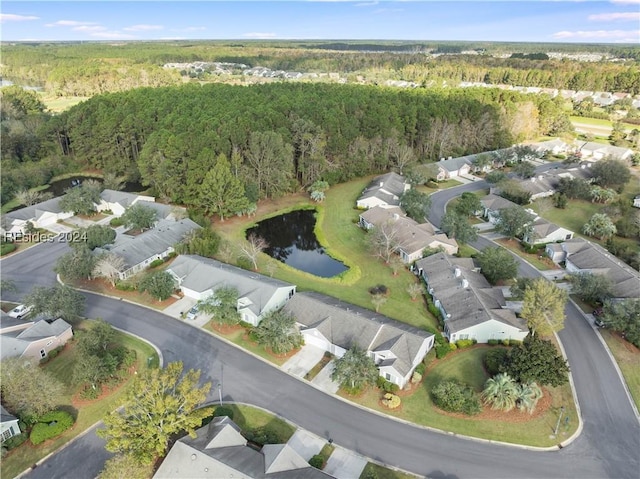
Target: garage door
{"x": 318, "y": 342}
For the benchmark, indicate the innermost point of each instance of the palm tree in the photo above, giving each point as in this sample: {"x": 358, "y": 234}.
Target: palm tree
{"x": 279, "y": 332}
{"x": 528, "y": 396}
{"x": 501, "y": 392}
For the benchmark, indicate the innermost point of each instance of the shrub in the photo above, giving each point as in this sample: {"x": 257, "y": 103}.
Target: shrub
{"x": 378, "y": 289}
{"x": 115, "y": 222}
{"x": 246, "y": 325}
{"x": 453, "y": 396}
{"x": 386, "y": 386}
{"x": 515, "y": 342}
{"x": 317, "y": 461}
{"x": 505, "y": 342}
{"x": 493, "y": 342}
{"x": 244, "y": 263}
{"x": 421, "y": 368}
{"x": 125, "y": 286}
{"x": 416, "y": 377}
{"x": 156, "y": 262}
{"x": 380, "y": 382}
{"x": 433, "y": 310}
{"x": 89, "y": 393}
{"x": 15, "y": 441}
{"x": 6, "y": 248}
{"x": 262, "y": 435}
{"x": 494, "y": 359}
{"x": 452, "y": 346}
{"x": 50, "y": 425}
{"x": 442, "y": 350}
{"x": 223, "y": 411}
{"x": 464, "y": 343}
{"x": 391, "y": 401}
{"x": 129, "y": 358}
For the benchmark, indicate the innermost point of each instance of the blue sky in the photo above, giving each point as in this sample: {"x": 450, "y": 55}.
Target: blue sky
{"x": 615, "y": 21}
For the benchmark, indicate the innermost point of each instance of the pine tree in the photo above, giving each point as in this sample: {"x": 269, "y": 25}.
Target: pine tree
{"x": 222, "y": 192}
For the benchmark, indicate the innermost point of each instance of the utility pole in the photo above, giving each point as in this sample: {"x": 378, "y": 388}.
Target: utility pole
{"x": 220, "y": 392}
{"x": 555, "y": 433}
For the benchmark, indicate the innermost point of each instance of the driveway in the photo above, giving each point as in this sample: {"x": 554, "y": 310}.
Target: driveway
{"x": 58, "y": 228}
{"x": 306, "y": 444}
{"x": 304, "y": 360}
{"x": 345, "y": 464}
{"x": 323, "y": 379}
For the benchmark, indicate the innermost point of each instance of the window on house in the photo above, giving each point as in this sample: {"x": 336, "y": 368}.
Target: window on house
{"x": 50, "y": 342}
{"x": 463, "y": 336}
{"x": 387, "y": 376}
{"x": 43, "y": 353}
{"x": 7, "y": 434}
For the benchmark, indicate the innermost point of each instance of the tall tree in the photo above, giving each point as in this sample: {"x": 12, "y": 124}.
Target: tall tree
{"x": 599, "y": 226}
{"x": 525, "y": 169}
{"x": 270, "y": 161}
{"x": 108, "y": 266}
{"x": 57, "y": 301}
{"x": 159, "y": 284}
{"x": 610, "y": 173}
{"x": 416, "y": 204}
{"x": 468, "y": 204}
{"x": 95, "y": 236}
{"x": 222, "y": 305}
{"x": 497, "y": 264}
{"x": 279, "y": 332}
{"x": 139, "y": 216}
{"x": 81, "y": 200}
{"x": 622, "y": 316}
{"x": 383, "y": 240}
{"x": 160, "y": 404}
{"x": 221, "y": 191}
{"x": 543, "y": 306}
{"x": 536, "y": 360}
{"x": 589, "y": 287}
{"x": 514, "y": 222}
{"x": 456, "y": 226}
{"x": 76, "y": 264}
{"x": 124, "y": 466}
{"x": 355, "y": 369}
{"x": 27, "y": 389}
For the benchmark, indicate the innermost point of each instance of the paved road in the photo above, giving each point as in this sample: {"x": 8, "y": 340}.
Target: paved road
{"x": 607, "y": 448}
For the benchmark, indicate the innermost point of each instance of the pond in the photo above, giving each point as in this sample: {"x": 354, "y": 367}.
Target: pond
{"x": 292, "y": 241}
{"x": 60, "y": 186}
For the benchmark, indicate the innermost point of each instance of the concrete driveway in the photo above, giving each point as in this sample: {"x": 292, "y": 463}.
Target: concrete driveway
{"x": 303, "y": 361}
{"x": 345, "y": 464}
{"x": 176, "y": 309}
{"x": 323, "y": 379}
{"x": 58, "y": 228}
{"x": 306, "y": 444}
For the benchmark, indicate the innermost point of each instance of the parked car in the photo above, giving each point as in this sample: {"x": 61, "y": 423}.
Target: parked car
{"x": 193, "y": 313}
{"x": 20, "y": 311}
{"x": 597, "y": 315}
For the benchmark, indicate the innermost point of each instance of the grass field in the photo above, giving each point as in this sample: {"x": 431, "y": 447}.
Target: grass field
{"x": 58, "y": 104}
{"x": 599, "y": 122}
{"x": 338, "y": 232}
{"x": 86, "y": 414}
{"x": 247, "y": 418}
{"x": 466, "y": 365}
{"x": 628, "y": 358}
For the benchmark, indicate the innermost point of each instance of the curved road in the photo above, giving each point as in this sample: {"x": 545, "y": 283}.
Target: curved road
{"x": 608, "y": 446}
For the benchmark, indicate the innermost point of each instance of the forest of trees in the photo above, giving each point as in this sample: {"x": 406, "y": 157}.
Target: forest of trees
{"x": 277, "y": 137}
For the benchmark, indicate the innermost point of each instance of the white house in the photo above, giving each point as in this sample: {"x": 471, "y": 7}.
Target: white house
{"x": 118, "y": 201}
{"x": 593, "y": 151}
{"x": 140, "y": 251}
{"x": 8, "y": 425}
{"x": 544, "y": 231}
{"x": 411, "y": 237}
{"x": 27, "y": 339}
{"x": 636, "y": 201}
{"x": 384, "y": 191}
{"x": 492, "y": 204}
{"x": 470, "y": 307}
{"x": 258, "y": 295}
{"x": 335, "y": 326}
{"x": 41, "y": 215}
{"x": 454, "y": 167}
{"x": 555, "y": 147}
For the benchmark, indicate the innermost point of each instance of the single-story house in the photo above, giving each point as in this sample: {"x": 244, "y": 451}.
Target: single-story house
{"x": 219, "y": 450}
{"x": 118, "y": 201}
{"x": 258, "y": 295}
{"x": 546, "y": 232}
{"x": 335, "y": 326}
{"x": 593, "y": 151}
{"x": 411, "y": 237}
{"x": 32, "y": 339}
{"x": 492, "y": 204}
{"x": 636, "y": 201}
{"x": 140, "y": 251}
{"x": 8, "y": 425}
{"x": 471, "y": 308}
{"x": 41, "y": 215}
{"x": 555, "y": 147}
{"x": 384, "y": 190}
{"x": 454, "y": 167}
{"x": 580, "y": 255}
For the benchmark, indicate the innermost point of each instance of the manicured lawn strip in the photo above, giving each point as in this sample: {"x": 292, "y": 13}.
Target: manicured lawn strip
{"x": 466, "y": 251}
{"x": 86, "y": 415}
{"x": 342, "y": 239}
{"x": 103, "y": 287}
{"x": 544, "y": 264}
{"x": 247, "y": 418}
{"x": 313, "y": 372}
{"x": 374, "y": 470}
{"x": 628, "y": 358}
{"x": 466, "y": 365}
{"x": 599, "y": 122}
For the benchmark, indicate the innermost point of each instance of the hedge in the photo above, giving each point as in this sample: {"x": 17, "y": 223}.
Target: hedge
{"x": 50, "y": 425}
{"x": 464, "y": 343}
{"x": 453, "y": 396}
{"x": 317, "y": 461}
{"x": 6, "y": 248}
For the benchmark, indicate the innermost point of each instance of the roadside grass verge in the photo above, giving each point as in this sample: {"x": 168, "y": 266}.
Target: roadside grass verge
{"x": 467, "y": 366}
{"x": 250, "y": 418}
{"x": 380, "y": 472}
{"x": 342, "y": 238}
{"x": 87, "y": 413}
{"x": 541, "y": 262}
{"x": 628, "y": 358}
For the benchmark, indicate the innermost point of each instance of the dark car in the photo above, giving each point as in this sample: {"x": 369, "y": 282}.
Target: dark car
{"x": 597, "y": 314}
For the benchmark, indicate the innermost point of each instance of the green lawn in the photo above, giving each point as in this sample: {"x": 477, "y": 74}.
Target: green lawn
{"x": 59, "y": 104}
{"x": 86, "y": 415}
{"x": 543, "y": 264}
{"x": 380, "y": 472}
{"x": 599, "y": 122}
{"x": 466, "y": 365}
{"x": 248, "y": 417}
{"x": 344, "y": 240}
{"x": 628, "y": 358}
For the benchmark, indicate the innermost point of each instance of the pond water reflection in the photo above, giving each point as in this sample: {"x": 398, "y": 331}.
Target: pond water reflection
{"x": 292, "y": 241}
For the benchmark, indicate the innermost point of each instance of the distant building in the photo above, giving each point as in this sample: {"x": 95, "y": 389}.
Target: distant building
{"x": 384, "y": 191}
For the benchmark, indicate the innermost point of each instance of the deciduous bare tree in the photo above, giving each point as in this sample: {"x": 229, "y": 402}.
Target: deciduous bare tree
{"x": 253, "y": 247}
{"x": 108, "y": 266}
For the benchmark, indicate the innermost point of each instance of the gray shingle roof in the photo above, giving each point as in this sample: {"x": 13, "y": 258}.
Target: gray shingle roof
{"x": 467, "y": 304}
{"x": 346, "y": 324}
{"x": 454, "y": 164}
{"x": 37, "y": 210}
{"x": 496, "y": 203}
{"x": 45, "y": 329}
{"x": 201, "y": 274}
{"x": 388, "y": 188}
{"x": 122, "y": 197}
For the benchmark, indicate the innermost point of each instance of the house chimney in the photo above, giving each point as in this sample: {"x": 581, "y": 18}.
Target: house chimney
{"x": 381, "y": 184}
{"x": 465, "y": 283}
{"x": 533, "y": 180}
{"x": 396, "y": 216}
{"x": 457, "y": 272}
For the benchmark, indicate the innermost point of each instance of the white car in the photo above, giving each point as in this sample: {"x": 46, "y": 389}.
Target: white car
{"x": 20, "y": 311}
{"x": 193, "y": 313}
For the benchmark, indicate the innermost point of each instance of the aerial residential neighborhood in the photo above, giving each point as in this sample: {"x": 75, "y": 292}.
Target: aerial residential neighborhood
{"x": 242, "y": 240}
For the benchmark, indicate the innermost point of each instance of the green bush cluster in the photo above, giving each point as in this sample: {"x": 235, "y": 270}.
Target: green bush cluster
{"x": 115, "y": 222}
{"x": 317, "y": 461}
{"x": 50, "y": 425}
{"x": 386, "y": 386}
{"x": 465, "y": 343}
{"x": 494, "y": 359}
{"x": 262, "y": 435}
{"x": 442, "y": 346}
{"x": 6, "y": 248}
{"x": 391, "y": 401}
{"x": 51, "y": 355}
{"x": 156, "y": 262}
{"x": 416, "y": 377}
{"x": 122, "y": 286}
{"x": 223, "y": 411}
{"x": 493, "y": 342}
{"x": 15, "y": 441}
{"x": 454, "y": 396}
{"x": 421, "y": 368}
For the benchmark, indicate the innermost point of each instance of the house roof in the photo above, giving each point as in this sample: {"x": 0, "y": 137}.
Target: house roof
{"x": 496, "y": 203}
{"x": 202, "y": 274}
{"x": 136, "y": 249}
{"x": 608, "y": 150}
{"x": 5, "y": 416}
{"x": 121, "y": 197}
{"x": 550, "y": 145}
{"x": 345, "y": 324}
{"x": 197, "y": 458}
{"x": 37, "y": 210}
{"x": 543, "y": 228}
{"x": 388, "y": 188}
{"x": 14, "y": 343}
{"x": 585, "y": 255}
{"x": 454, "y": 164}
{"x": 465, "y": 294}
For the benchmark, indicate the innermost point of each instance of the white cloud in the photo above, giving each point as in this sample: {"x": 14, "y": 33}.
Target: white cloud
{"x": 189, "y": 29}
{"x": 89, "y": 28}
{"x": 143, "y": 28}
{"x": 625, "y": 2}
{"x": 10, "y": 17}
{"x": 259, "y": 35}
{"x": 617, "y": 35}
{"x": 68, "y": 23}
{"x": 608, "y": 17}
{"x": 113, "y": 35}
{"x": 366, "y": 4}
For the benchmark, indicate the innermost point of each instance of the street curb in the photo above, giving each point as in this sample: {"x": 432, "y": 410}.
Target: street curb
{"x": 613, "y": 360}
{"x": 403, "y": 421}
